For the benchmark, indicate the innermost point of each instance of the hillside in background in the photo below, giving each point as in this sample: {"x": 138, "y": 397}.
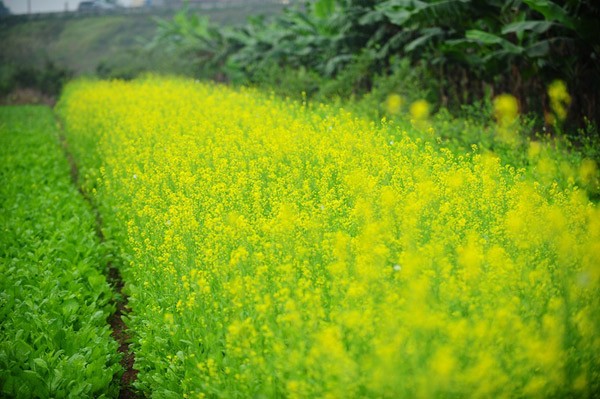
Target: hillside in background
{"x": 107, "y": 45}
{"x": 78, "y": 44}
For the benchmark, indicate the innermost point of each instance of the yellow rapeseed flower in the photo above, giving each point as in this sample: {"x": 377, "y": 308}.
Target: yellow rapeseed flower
{"x": 560, "y": 99}
{"x": 419, "y": 110}
{"x": 276, "y": 249}
{"x": 588, "y": 171}
{"x": 394, "y": 103}
{"x": 506, "y": 109}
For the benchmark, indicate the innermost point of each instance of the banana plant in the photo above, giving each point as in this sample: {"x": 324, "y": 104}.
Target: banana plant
{"x": 192, "y": 36}
{"x": 510, "y": 44}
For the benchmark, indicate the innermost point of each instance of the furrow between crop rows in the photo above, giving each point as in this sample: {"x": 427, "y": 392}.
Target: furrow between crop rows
{"x": 120, "y": 300}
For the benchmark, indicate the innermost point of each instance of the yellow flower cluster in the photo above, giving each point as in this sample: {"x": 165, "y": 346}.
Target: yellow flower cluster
{"x": 506, "y": 112}
{"x": 279, "y": 250}
{"x": 419, "y": 110}
{"x": 560, "y": 99}
{"x": 394, "y": 103}
{"x": 506, "y": 109}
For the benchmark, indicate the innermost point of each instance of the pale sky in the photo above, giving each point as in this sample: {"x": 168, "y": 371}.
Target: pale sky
{"x": 20, "y": 6}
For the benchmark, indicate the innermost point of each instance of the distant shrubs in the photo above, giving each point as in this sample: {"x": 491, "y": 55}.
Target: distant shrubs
{"x": 48, "y": 80}
{"x": 468, "y": 50}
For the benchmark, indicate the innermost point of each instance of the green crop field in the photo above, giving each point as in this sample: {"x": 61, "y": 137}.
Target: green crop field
{"x": 54, "y": 298}
{"x": 278, "y": 249}
{"x": 345, "y": 199}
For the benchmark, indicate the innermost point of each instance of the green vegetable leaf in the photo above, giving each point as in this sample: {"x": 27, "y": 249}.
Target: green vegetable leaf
{"x": 521, "y": 26}
{"x": 551, "y": 11}
{"x": 491, "y": 39}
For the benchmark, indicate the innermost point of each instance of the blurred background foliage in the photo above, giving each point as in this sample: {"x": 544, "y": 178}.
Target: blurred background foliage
{"x": 451, "y": 52}
{"x": 374, "y": 57}
{"x": 111, "y": 44}
{"x": 466, "y": 50}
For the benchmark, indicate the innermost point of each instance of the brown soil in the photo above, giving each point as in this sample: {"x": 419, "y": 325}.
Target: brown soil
{"x": 121, "y": 335}
{"x": 120, "y": 332}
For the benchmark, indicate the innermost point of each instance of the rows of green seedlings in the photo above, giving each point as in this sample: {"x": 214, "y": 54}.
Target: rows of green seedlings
{"x": 54, "y": 299}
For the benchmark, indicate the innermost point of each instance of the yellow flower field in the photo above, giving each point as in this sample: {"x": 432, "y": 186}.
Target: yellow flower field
{"x": 279, "y": 250}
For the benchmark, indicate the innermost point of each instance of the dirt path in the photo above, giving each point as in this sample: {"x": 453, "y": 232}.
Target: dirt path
{"x": 120, "y": 300}
{"x": 121, "y": 335}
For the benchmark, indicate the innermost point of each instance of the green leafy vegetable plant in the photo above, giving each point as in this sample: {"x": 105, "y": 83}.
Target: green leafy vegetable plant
{"x": 54, "y": 299}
